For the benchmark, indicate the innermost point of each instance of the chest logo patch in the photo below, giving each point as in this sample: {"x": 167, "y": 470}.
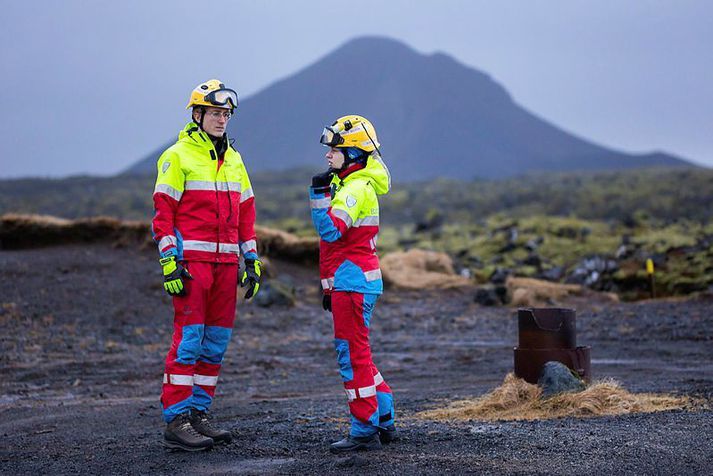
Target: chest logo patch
{"x": 165, "y": 166}
{"x": 351, "y": 201}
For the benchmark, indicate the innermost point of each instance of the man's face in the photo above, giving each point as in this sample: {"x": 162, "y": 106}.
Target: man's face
{"x": 335, "y": 158}
{"x": 215, "y": 120}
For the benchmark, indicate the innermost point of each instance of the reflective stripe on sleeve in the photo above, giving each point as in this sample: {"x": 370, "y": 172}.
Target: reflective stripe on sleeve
{"x": 207, "y": 380}
{"x": 248, "y": 193}
{"x": 174, "y": 379}
{"x": 328, "y": 283}
{"x": 320, "y": 202}
{"x": 342, "y": 215}
{"x": 367, "y": 221}
{"x": 372, "y": 275}
{"x": 168, "y": 190}
{"x": 378, "y": 379}
{"x": 248, "y": 246}
{"x": 166, "y": 241}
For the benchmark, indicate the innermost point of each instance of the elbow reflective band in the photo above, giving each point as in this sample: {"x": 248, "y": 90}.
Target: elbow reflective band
{"x": 248, "y": 193}
{"x": 168, "y": 190}
{"x": 342, "y": 215}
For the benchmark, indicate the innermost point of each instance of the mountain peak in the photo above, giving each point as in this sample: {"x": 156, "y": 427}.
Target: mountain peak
{"x": 434, "y": 117}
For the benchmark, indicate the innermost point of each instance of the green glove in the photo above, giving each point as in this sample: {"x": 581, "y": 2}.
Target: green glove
{"x": 173, "y": 274}
{"x": 251, "y": 277}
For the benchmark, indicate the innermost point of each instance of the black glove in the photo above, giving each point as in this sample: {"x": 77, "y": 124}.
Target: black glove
{"x": 322, "y": 182}
{"x": 251, "y": 277}
{"x": 327, "y": 302}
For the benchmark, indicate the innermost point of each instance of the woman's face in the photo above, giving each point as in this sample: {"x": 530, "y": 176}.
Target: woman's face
{"x": 335, "y": 158}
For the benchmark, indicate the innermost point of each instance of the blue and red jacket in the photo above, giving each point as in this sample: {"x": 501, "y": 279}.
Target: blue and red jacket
{"x": 347, "y": 221}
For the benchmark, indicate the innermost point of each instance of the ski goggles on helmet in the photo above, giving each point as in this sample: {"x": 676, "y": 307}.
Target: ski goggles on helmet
{"x": 331, "y": 138}
{"x": 221, "y": 97}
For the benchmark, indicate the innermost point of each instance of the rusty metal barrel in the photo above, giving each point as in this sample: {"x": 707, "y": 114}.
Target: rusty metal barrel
{"x": 549, "y": 334}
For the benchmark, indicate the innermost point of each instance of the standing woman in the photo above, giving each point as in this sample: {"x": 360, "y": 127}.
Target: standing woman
{"x": 345, "y": 213}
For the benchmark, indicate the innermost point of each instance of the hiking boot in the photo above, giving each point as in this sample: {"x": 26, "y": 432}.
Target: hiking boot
{"x": 201, "y": 423}
{"x": 356, "y": 443}
{"x": 180, "y": 435}
{"x": 388, "y": 434}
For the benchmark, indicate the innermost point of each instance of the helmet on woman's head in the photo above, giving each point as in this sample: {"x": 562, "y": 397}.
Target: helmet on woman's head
{"x": 351, "y": 131}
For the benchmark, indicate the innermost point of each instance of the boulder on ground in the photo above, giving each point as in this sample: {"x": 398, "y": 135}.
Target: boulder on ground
{"x": 557, "y": 378}
{"x": 420, "y": 269}
{"x": 274, "y": 292}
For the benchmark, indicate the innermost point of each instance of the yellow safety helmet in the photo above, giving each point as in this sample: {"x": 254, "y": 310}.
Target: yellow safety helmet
{"x": 213, "y": 93}
{"x": 351, "y": 131}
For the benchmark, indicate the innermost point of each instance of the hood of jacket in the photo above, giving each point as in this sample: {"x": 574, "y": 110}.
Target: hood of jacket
{"x": 375, "y": 172}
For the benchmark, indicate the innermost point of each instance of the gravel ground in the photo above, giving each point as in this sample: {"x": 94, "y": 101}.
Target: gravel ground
{"x": 86, "y": 329}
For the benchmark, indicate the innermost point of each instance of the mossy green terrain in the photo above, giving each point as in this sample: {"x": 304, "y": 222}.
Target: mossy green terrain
{"x": 595, "y": 228}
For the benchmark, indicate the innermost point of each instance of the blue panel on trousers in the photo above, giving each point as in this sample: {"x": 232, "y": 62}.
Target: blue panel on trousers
{"x": 215, "y": 341}
{"x": 176, "y": 409}
{"x": 345, "y": 364}
{"x": 200, "y": 400}
{"x": 386, "y": 408}
{"x": 190, "y": 347}
{"x": 359, "y": 428}
{"x": 369, "y": 303}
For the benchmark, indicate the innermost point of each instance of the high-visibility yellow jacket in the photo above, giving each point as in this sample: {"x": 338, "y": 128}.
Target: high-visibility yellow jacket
{"x": 347, "y": 221}
{"x": 204, "y": 204}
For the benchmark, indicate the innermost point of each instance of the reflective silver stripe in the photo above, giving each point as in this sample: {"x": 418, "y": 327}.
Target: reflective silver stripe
{"x": 228, "y": 186}
{"x": 328, "y": 283}
{"x": 168, "y": 190}
{"x": 363, "y": 392}
{"x": 248, "y": 193}
{"x": 166, "y": 241}
{"x": 372, "y": 275}
{"x": 195, "y": 245}
{"x": 200, "y": 185}
{"x": 174, "y": 379}
{"x": 228, "y": 248}
{"x": 342, "y": 215}
{"x": 367, "y": 221}
{"x": 208, "y": 380}
{"x": 248, "y": 245}
{"x": 320, "y": 202}
{"x": 378, "y": 379}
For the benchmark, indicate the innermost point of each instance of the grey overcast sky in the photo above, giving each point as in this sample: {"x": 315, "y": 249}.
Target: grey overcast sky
{"x": 89, "y": 87}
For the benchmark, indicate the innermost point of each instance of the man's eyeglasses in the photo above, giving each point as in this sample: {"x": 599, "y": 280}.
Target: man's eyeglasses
{"x": 218, "y": 114}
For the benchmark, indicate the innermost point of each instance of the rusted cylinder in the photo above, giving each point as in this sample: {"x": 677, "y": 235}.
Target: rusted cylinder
{"x": 546, "y": 328}
{"x": 530, "y": 362}
{"x": 549, "y": 334}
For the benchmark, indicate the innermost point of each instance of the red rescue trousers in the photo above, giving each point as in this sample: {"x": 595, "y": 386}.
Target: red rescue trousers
{"x": 371, "y": 401}
{"x": 202, "y": 325}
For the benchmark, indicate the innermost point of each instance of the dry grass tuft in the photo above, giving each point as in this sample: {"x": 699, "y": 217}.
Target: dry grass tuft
{"x": 420, "y": 269}
{"x": 516, "y": 399}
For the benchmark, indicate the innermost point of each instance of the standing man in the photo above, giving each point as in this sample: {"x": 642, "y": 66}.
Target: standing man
{"x": 205, "y": 216}
{"x": 345, "y": 212}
